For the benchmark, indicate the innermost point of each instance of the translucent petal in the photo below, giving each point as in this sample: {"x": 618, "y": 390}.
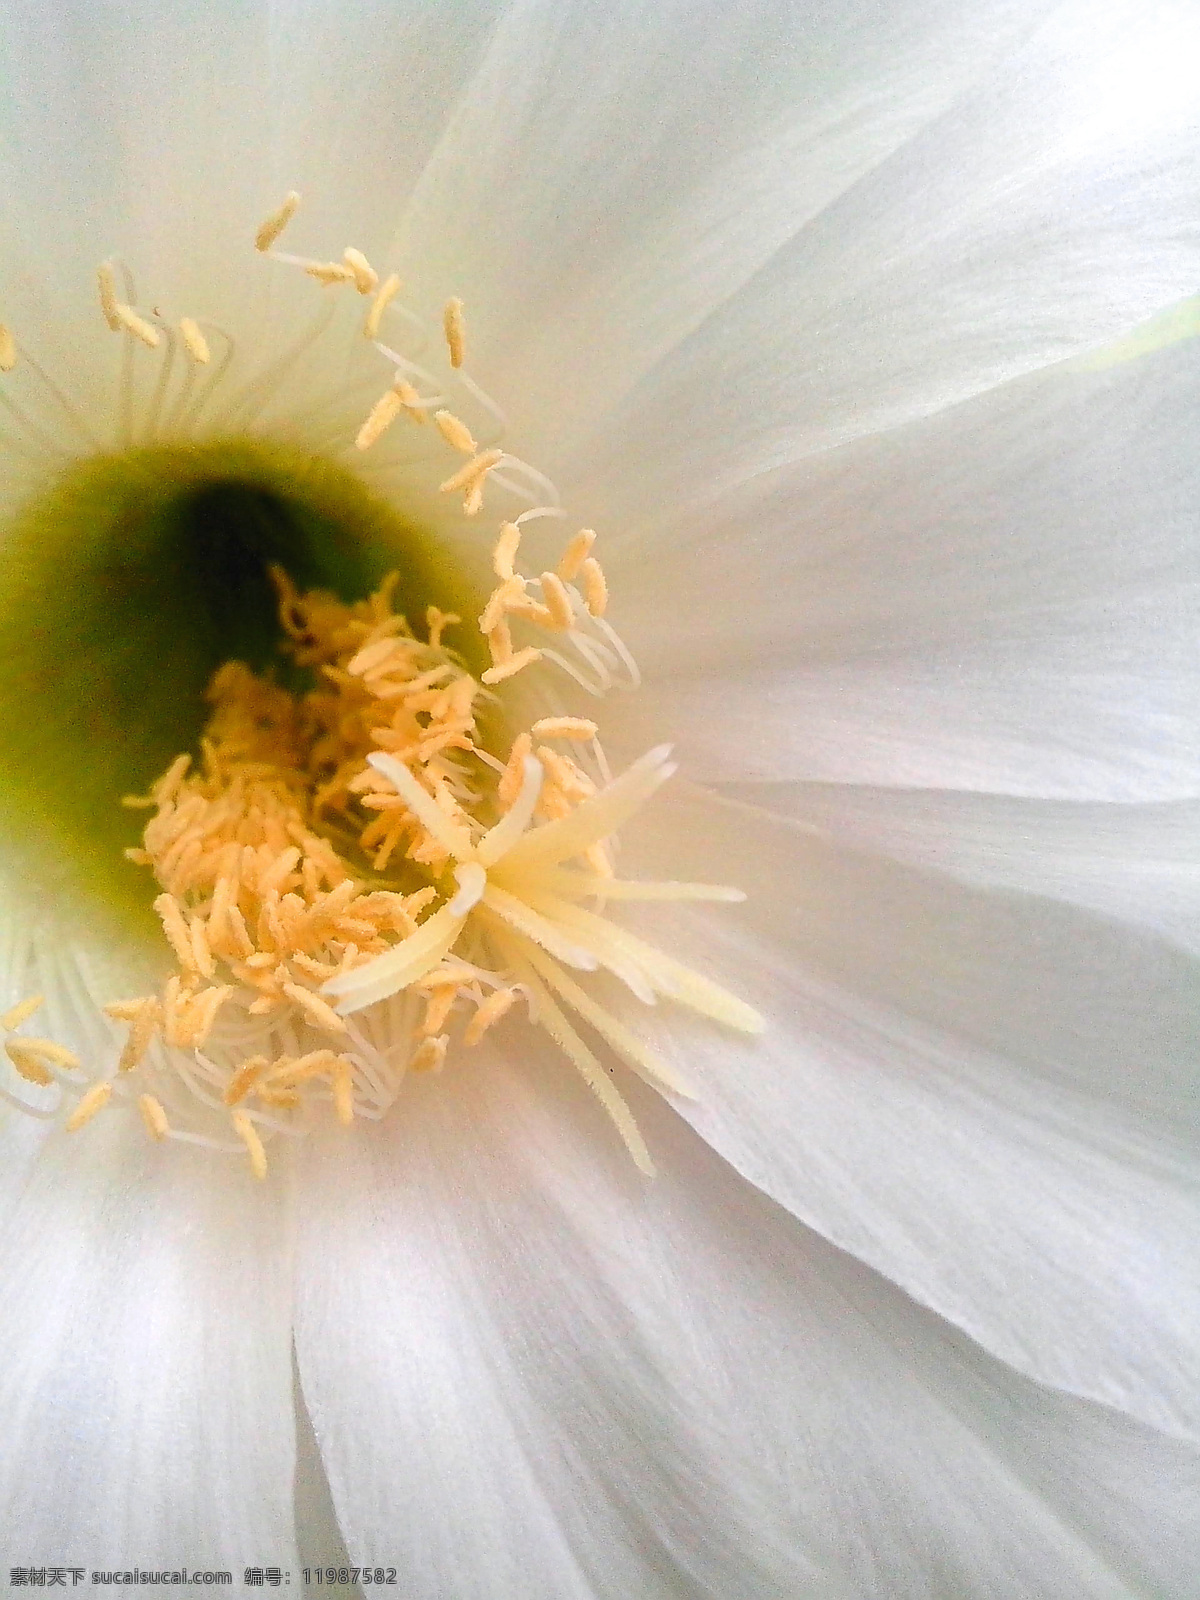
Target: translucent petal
{"x": 1004, "y": 597}
{"x": 535, "y": 1374}
{"x": 145, "y": 1358}
{"x": 989, "y": 1097}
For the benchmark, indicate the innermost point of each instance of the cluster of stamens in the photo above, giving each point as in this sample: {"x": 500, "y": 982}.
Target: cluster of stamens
{"x": 352, "y": 877}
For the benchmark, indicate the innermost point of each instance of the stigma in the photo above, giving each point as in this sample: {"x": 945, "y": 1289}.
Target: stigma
{"x": 371, "y": 860}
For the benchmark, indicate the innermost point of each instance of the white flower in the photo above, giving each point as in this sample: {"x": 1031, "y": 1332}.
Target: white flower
{"x": 823, "y": 318}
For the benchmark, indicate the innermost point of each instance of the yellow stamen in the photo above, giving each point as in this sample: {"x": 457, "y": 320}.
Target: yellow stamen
{"x": 437, "y": 1008}
{"x": 499, "y": 641}
{"x": 8, "y": 349}
{"x": 20, "y": 1013}
{"x": 194, "y": 341}
{"x": 93, "y": 1101}
{"x": 128, "y": 319}
{"x": 577, "y": 728}
{"x": 274, "y": 225}
{"x": 47, "y": 1049}
{"x": 505, "y": 551}
{"x": 595, "y": 589}
{"x": 244, "y": 1079}
{"x": 411, "y": 400}
{"x": 488, "y": 1013}
{"x": 558, "y": 602}
{"x": 452, "y": 322}
{"x": 143, "y": 1026}
{"x": 430, "y": 1055}
{"x": 455, "y": 432}
{"x": 107, "y": 283}
{"x": 317, "y": 1009}
{"x": 507, "y": 669}
{"x": 499, "y": 601}
{"x": 201, "y": 954}
{"x": 575, "y": 555}
{"x": 330, "y": 273}
{"x": 248, "y": 1134}
{"x": 475, "y": 469}
{"x": 27, "y": 1063}
{"x": 382, "y": 414}
{"x": 153, "y": 1116}
{"x": 343, "y": 1094}
{"x": 366, "y": 279}
{"x": 176, "y": 929}
{"x": 510, "y": 780}
{"x": 387, "y": 292}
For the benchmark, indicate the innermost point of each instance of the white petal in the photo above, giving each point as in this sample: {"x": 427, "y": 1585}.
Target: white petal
{"x": 177, "y": 166}
{"x": 144, "y": 1361}
{"x": 724, "y": 131}
{"x": 317, "y": 1533}
{"x": 989, "y": 1098}
{"x": 534, "y": 1374}
{"x": 1048, "y": 210}
{"x": 1052, "y": 720}
{"x": 164, "y": 136}
{"x": 1004, "y": 597}
{"x": 1138, "y": 864}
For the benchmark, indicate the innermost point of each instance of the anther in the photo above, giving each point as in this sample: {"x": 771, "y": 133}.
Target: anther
{"x": 499, "y": 641}
{"x": 410, "y": 399}
{"x": 47, "y": 1049}
{"x": 128, "y": 319}
{"x": 578, "y": 728}
{"x": 558, "y": 602}
{"x": 153, "y": 1116}
{"x": 343, "y": 1093}
{"x": 513, "y": 775}
{"x": 194, "y": 341}
{"x": 507, "y": 669}
{"x": 489, "y": 1012}
{"x": 107, "y": 283}
{"x": 142, "y": 1029}
{"x": 455, "y": 433}
{"x": 277, "y": 222}
{"x": 575, "y": 554}
{"x": 505, "y": 552}
{"x": 323, "y": 1015}
{"x": 438, "y": 1007}
{"x": 176, "y": 929}
{"x": 93, "y": 1101}
{"x": 595, "y": 589}
{"x": 20, "y": 1013}
{"x": 8, "y": 349}
{"x": 330, "y": 272}
{"x": 474, "y": 469}
{"x": 248, "y": 1134}
{"x": 499, "y": 601}
{"x": 430, "y": 1055}
{"x": 452, "y": 322}
{"x": 27, "y": 1063}
{"x": 244, "y": 1079}
{"x": 383, "y": 413}
{"x": 387, "y": 292}
{"x": 366, "y": 279}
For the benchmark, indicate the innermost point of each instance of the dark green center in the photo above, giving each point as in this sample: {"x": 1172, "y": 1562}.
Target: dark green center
{"x": 126, "y": 585}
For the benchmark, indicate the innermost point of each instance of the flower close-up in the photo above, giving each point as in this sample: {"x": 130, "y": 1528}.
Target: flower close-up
{"x": 600, "y": 855}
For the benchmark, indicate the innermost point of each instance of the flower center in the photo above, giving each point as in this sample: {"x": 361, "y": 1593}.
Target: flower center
{"x": 131, "y": 581}
{"x": 362, "y": 862}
